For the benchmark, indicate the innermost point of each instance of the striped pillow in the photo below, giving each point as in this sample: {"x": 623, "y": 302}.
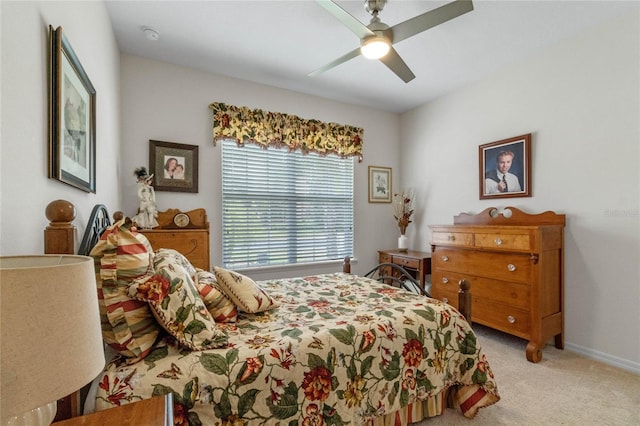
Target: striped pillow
{"x": 221, "y": 308}
{"x": 122, "y": 255}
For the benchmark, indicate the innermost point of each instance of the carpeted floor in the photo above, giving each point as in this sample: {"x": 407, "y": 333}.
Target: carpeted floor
{"x": 562, "y": 389}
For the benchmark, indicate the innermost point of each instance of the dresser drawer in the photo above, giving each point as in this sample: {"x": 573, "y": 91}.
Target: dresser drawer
{"x": 406, "y": 262}
{"x": 452, "y": 238}
{"x": 447, "y": 295}
{"x": 511, "y": 267}
{"x": 514, "y": 294}
{"x": 504, "y": 241}
{"x": 501, "y": 317}
{"x": 194, "y": 245}
{"x": 385, "y": 258}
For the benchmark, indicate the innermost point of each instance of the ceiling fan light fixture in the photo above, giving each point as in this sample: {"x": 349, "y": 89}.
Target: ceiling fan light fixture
{"x": 375, "y": 47}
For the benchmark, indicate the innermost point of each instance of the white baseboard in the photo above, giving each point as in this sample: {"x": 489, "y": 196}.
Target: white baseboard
{"x": 608, "y": 359}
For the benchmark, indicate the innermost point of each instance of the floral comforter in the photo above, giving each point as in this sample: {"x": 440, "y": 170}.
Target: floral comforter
{"x": 340, "y": 349}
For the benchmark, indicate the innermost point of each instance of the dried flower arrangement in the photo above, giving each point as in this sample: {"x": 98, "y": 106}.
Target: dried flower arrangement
{"x": 403, "y": 208}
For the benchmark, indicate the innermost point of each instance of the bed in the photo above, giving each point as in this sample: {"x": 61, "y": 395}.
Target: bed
{"x": 333, "y": 348}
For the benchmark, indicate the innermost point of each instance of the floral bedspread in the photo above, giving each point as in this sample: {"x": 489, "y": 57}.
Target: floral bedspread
{"x": 340, "y": 349}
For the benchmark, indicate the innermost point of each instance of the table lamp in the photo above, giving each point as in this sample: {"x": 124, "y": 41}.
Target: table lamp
{"x": 51, "y": 341}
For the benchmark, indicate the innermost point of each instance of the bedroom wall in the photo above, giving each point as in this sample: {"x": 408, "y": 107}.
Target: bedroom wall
{"x": 165, "y": 102}
{"x": 581, "y": 101}
{"x": 25, "y": 189}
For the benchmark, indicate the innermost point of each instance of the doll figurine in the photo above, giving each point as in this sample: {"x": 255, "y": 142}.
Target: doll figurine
{"x": 147, "y": 212}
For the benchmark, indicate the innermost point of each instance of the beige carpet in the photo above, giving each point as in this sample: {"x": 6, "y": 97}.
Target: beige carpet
{"x": 562, "y": 389}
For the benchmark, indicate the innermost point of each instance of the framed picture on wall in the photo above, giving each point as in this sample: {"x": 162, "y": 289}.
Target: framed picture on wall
{"x": 380, "y": 184}
{"x": 72, "y": 117}
{"x": 505, "y": 168}
{"x": 174, "y": 166}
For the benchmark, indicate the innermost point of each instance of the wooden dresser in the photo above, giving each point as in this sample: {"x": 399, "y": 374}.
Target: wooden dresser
{"x": 514, "y": 264}
{"x": 186, "y": 232}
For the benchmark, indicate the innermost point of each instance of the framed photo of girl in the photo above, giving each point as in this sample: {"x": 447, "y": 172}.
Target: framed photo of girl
{"x": 505, "y": 168}
{"x": 174, "y": 166}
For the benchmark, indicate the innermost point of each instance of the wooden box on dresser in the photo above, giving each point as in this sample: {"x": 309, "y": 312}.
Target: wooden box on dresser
{"x": 513, "y": 262}
{"x": 186, "y": 232}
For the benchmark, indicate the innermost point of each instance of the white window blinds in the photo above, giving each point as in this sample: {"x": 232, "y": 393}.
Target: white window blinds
{"x": 281, "y": 207}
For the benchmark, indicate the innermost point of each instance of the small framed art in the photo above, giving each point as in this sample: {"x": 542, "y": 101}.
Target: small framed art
{"x": 380, "y": 184}
{"x": 72, "y": 117}
{"x": 505, "y": 168}
{"x": 174, "y": 166}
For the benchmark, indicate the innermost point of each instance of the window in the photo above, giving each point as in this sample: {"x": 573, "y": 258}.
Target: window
{"x": 281, "y": 207}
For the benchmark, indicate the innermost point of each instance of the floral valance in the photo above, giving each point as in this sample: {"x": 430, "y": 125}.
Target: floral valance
{"x": 266, "y": 129}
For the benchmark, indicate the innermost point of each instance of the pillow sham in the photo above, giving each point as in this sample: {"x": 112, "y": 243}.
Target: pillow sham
{"x": 221, "y": 308}
{"x": 165, "y": 256}
{"x": 176, "y": 304}
{"x": 244, "y": 292}
{"x": 122, "y": 255}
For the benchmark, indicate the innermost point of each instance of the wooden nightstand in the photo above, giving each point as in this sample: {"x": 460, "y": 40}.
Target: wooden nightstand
{"x": 157, "y": 411}
{"x": 417, "y": 263}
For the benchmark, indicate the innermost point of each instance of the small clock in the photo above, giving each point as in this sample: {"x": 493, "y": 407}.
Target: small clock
{"x": 181, "y": 220}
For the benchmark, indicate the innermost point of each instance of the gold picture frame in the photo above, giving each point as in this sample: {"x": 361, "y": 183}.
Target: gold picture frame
{"x": 380, "y": 184}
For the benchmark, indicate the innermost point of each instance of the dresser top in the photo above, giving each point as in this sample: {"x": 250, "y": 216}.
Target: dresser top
{"x": 509, "y": 216}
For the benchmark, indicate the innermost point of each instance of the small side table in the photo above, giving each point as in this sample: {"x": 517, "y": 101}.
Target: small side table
{"x": 157, "y": 411}
{"x": 417, "y": 263}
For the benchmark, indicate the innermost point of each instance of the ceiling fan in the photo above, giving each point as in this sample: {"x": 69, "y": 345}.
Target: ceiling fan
{"x": 377, "y": 38}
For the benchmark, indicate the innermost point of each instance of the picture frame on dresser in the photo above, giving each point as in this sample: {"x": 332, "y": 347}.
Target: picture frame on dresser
{"x": 174, "y": 166}
{"x": 380, "y": 184}
{"x": 505, "y": 168}
{"x": 72, "y": 117}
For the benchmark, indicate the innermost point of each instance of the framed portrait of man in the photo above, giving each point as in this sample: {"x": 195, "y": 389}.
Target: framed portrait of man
{"x": 505, "y": 168}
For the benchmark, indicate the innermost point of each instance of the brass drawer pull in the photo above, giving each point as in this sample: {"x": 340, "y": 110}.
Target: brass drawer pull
{"x": 511, "y": 319}
{"x": 451, "y": 237}
{"x": 511, "y": 267}
{"x": 445, "y": 258}
{"x": 498, "y": 241}
{"x": 445, "y": 280}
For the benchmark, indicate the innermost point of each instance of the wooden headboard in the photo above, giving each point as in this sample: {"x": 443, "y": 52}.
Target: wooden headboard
{"x": 59, "y": 238}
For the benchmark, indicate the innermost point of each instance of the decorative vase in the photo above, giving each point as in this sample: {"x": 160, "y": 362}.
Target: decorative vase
{"x": 402, "y": 242}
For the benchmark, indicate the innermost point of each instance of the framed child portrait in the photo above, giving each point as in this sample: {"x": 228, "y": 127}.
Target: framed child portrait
{"x": 174, "y": 166}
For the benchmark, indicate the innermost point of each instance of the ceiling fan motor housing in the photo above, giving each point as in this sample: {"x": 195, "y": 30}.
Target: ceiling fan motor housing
{"x": 374, "y": 6}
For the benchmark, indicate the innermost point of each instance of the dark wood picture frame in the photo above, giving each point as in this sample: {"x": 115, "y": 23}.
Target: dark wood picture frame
{"x": 380, "y": 184}
{"x": 72, "y": 117}
{"x": 164, "y": 156}
{"x": 515, "y": 156}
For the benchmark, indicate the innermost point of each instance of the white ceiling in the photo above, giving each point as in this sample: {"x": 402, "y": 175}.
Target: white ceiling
{"x": 279, "y": 43}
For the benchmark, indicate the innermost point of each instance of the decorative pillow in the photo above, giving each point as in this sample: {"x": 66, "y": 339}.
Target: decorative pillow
{"x": 244, "y": 292}
{"x": 176, "y": 304}
{"x": 165, "y": 256}
{"x": 221, "y": 308}
{"x": 122, "y": 255}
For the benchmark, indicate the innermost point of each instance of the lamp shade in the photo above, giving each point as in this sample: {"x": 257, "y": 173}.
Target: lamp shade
{"x": 51, "y": 341}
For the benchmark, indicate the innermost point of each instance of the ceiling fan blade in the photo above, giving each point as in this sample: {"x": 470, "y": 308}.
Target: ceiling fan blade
{"x": 357, "y": 27}
{"x": 430, "y": 19}
{"x": 395, "y": 63}
{"x": 344, "y": 58}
